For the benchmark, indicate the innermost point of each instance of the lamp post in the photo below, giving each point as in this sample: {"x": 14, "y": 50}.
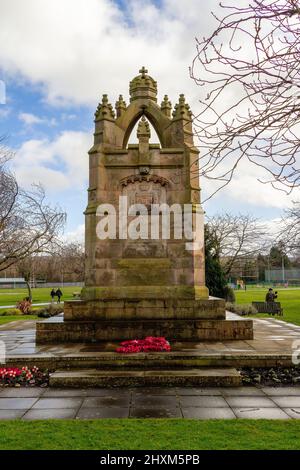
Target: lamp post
{"x": 282, "y": 268}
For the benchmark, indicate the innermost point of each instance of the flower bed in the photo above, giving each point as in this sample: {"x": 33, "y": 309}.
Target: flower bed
{"x": 15, "y": 377}
{"x": 149, "y": 344}
{"x": 273, "y": 376}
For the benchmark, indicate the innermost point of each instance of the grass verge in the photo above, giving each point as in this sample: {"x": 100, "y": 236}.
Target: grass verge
{"x": 150, "y": 434}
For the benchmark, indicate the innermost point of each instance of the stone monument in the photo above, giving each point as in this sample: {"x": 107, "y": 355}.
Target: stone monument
{"x": 147, "y": 285}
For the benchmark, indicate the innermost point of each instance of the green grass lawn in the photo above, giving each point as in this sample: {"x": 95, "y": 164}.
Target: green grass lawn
{"x": 40, "y": 294}
{"x": 289, "y": 299}
{"x": 150, "y": 434}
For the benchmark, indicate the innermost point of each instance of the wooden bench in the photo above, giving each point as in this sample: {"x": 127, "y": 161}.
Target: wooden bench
{"x": 268, "y": 307}
{"x": 76, "y": 294}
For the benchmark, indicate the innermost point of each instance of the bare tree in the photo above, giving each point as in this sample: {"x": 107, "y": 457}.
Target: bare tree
{"x": 249, "y": 68}
{"x": 289, "y": 235}
{"x": 71, "y": 258}
{"x": 238, "y": 237}
{"x": 28, "y": 225}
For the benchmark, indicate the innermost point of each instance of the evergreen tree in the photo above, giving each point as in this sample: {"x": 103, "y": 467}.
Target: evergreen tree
{"x": 215, "y": 278}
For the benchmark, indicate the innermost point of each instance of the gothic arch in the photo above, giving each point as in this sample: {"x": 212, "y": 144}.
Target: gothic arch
{"x": 151, "y": 111}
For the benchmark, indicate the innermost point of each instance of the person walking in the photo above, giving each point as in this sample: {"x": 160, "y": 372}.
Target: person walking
{"x": 52, "y": 294}
{"x": 59, "y": 294}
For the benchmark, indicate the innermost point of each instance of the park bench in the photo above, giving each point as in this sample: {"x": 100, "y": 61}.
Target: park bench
{"x": 76, "y": 295}
{"x": 268, "y": 307}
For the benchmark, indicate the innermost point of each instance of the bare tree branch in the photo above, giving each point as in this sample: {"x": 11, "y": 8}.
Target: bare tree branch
{"x": 28, "y": 225}
{"x": 249, "y": 67}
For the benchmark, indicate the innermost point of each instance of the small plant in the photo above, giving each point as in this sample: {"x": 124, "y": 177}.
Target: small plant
{"x": 49, "y": 311}
{"x": 243, "y": 310}
{"x": 25, "y": 306}
{"x": 9, "y": 312}
{"x": 229, "y": 294}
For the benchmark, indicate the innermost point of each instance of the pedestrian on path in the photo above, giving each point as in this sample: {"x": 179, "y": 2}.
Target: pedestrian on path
{"x": 59, "y": 294}
{"x": 52, "y": 294}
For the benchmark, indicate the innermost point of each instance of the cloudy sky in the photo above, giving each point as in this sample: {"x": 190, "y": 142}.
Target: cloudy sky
{"x": 58, "y": 57}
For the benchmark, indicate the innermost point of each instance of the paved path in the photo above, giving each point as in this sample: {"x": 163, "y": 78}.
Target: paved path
{"x": 34, "y": 305}
{"x": 196, "y": 403}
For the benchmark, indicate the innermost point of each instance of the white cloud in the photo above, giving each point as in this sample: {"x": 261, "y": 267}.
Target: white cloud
{"x": 76, "y": 235}
{"x": 59, "y": 165}
{"x": 246, "y": 189}
{"x": 78, "y": 50}
{"x": 31, "y": 119}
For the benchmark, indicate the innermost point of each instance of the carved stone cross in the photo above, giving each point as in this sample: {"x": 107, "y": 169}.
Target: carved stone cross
{"x": 143, "y": 71}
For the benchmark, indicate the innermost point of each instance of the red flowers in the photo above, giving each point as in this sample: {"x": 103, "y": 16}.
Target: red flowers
{"x": 14, "y": 376}
{"x": 149, "y": 344}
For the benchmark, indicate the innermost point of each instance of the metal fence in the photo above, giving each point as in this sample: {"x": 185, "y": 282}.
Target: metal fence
{"x": 283, "y": 275}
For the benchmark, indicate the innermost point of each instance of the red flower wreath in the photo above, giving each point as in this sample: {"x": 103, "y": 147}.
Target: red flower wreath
{"x": 149, "y": 344}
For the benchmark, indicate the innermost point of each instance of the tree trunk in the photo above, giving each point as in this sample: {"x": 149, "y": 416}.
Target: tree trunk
{"x": 29, "y": 290}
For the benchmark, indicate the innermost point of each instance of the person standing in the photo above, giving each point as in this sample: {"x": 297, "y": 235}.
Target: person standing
{"x": 59, "y": 294}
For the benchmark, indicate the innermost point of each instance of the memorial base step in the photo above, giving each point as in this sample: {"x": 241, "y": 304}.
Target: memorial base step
{"x": 90, "y": 378}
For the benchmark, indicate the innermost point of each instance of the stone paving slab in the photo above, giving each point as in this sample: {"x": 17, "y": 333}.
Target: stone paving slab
{"x": 292, "y": 412}
{"x": 203, "y": 402}
{"x": 98, "y": 413}
{"x": 105, "y": 402}
{"x": 175, "y": 402}
{"x": 260, "y": 413}
{"x": 287, "y": 401}
{"x": 57, "y": 403}
{"x": 208, "y": 413}
{"x": 242, "y": 391}
{"x": 280, "y": 391}
{"x": 155, "y": 413}
{"x": 50, "y": 414}
{"x": 16, "y": 403}
{"x": 250, "y": 402}
{"x": 11, "y": 414}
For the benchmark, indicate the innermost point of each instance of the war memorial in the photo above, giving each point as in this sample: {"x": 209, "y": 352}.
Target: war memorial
{"x": 150, "y": 286}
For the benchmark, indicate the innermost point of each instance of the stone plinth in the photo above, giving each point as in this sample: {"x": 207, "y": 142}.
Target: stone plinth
{"x": 144, "y": 309}
{"x": 117, "y": 320}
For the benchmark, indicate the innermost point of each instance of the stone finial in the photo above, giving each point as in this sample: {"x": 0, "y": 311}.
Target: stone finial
{"x": 182, "y": 110}
{"x": 143, "y": 129}
{"x": 166, "y": 106}
{"x": 120, "y": 106}
{"x": 143, "y": 87}
{"x": 104, "y": 110}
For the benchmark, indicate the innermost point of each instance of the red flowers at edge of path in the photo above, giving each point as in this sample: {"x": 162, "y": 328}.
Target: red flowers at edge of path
{"x": 149, "y": 344}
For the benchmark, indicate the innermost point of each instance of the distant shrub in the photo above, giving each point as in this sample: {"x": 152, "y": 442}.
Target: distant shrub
{"x": 229, "y": 294}
{"x": 243, "y": 310}
{"x": 49, "y": 311}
